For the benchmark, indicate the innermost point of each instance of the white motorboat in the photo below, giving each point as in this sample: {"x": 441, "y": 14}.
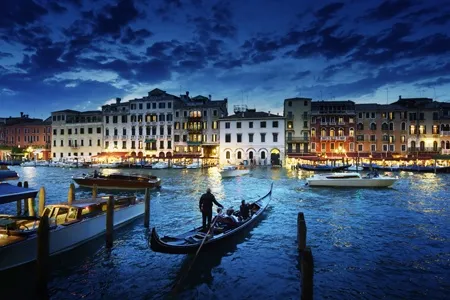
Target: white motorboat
{"x": 194, "y": 165}
{"x": 70, "y": 226}
{"x": 233, "y": 171}
{"x": 178, "y": 166}
{"x": 355, "y": 168}
{"x": 351, "y": 180}
{"x": 160, "y": 165}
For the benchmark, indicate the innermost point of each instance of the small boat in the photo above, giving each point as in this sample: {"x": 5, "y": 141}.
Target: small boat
{"x": 191, "y": 241}
{"x": 355, "y": 168}
{"x": 233, "y": 171}
{"x": 118, "y": 181}
{"x": 178, "y": 166}
{"x": 160, "y": 165}
{"x": 194, "y": 165}
{"x": 70, "y": 226}
{"x": 351, "y": 180}
{"x": 7, "y": 174}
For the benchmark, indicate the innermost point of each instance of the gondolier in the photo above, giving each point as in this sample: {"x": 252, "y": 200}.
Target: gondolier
{"x": 205, "y": 205}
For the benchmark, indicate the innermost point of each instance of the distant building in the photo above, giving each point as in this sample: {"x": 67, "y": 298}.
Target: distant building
{"x": 252, "y": 137}
{"x": 32, "y": 135}
{"x": 77, "y": 136}
{"x": 297, "y": 112}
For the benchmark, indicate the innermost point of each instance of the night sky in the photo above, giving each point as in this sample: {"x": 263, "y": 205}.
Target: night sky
{"x": 80, "y": 54}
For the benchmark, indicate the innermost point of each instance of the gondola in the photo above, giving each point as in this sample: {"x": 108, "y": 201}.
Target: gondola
{"x": 190, "y": 241}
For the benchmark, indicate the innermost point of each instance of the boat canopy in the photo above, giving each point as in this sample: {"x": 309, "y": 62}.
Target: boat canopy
{"x": 10, "y": 193}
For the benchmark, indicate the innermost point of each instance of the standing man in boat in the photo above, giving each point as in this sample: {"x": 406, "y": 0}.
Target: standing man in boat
{"x": 205, "y": 204}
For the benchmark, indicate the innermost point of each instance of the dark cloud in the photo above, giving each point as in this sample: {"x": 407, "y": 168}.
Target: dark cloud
{"x": 442, "y": 19}
{"x": 160, "y": 49}
{"x": 329, "y": 10}
{"x": 5, "y": 54}
{"x": 438, "y": 82}
{"x": 20, "y": 12}
{"x": 301, "y": 75}
{"x": 219, "y": 23}
{"x": 54, "y": 6}
{"x": 167, "y": 7}
{"x": 135, "y": 37}
{"x": 389, "y": 9}
{"x": 113, "y": 19}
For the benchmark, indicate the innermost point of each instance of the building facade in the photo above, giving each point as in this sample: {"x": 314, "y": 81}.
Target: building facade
{"x": 77, "y": 136}
{"x": 252, "y": 137}
{"x": 297, "y": 112}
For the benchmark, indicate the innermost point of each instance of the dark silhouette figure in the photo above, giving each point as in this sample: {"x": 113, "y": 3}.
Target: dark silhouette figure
{"x": 205, "y": 205}
{"x": 244, "y": 210}
{"x": 95, "y": 174}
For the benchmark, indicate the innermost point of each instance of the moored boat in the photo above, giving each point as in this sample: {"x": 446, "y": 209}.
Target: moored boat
{"x": 350, "y": 180}
{"x": 118, "y": 181}
{"x": 233, "y": 171}
{"x": 7, "y": 174}
{"x": 70, "y": 226}
{"x": 191, "y": 241}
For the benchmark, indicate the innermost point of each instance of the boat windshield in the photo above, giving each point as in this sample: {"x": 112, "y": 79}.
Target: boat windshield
{"x": 342, "y": 176}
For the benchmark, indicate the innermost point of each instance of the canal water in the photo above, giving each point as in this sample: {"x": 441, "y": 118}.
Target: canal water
{"x": 367, "y": 243}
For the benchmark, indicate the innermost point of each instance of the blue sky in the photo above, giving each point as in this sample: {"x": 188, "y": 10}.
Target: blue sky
{"x": 80, "y": 54}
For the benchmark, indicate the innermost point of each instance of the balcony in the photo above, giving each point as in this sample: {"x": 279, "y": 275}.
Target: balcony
{"x": 115, "y": 137}
{"x": 341, "y": 123}
{"x": 332, "y": 123}
{"x": 194, "y": 119}
{"x": 333, "y": 138}
{"x": 445, "y": 151}
{"x": 323, "y": 123}
{"x": 74, "y": 146}
{"x": 192, "y": 143}
{"x": 424, "y": 149}
{"x": 445, "y": 133}
{"x": 297, "y": 139}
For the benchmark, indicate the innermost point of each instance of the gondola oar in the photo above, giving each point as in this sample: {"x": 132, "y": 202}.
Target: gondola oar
{"x": 175, "y": 288}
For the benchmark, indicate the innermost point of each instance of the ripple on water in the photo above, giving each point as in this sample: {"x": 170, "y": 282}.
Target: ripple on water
{"x": 366, "y": 243}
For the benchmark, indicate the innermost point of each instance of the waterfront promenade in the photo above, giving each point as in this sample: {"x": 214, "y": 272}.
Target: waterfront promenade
{"x": 367, "y": 243}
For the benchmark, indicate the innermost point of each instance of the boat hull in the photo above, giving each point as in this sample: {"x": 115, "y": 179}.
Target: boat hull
{"x": 373, "y": 182}
{"x": 234, "y": 173}
{"x": 113, "y": 184}
{"x": 66, "y": 237}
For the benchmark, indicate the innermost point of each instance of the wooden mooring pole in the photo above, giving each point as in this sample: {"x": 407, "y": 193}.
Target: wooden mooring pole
{"x": 71, "y": 194}
{"x": 307, "y": 263}
{"x": 147, "y": 208}
{"x": 94, "y": 191}
{"x": 42, "y": 262}
{"x": 19, "y": 202}
{"x": 25, "y": 204}
{"x": 109, "y": 222}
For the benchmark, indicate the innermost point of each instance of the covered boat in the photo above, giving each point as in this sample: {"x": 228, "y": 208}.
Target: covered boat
{"x": 190, "y": 241}
{"x": 7, "y": 174}
{"x": 70, "y": 226}
{"x": 372, "y": 179}
{"x": 118, "y": 181}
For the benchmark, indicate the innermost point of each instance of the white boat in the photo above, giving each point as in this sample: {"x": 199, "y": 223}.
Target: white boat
{"x": 178, "y": 166}
{"x": 70, "y": 226}
{"x": 160, "y": 165}
{"x": 233, "y": 171}
{"x": 351, "y": 180}
{"x": 194, "y": 165}
{"x": 355, "y": 168}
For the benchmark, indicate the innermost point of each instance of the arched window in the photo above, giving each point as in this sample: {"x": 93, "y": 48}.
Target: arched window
{"x": 351, "y": 131}
{"x": 373, "y": 126}
{"x": 250, "y": 155}
{"x": 384, "y": 126}
{"x": 227, "y": 155}
{"x": 133, "y": 130}
{"x": 332, "y": 132}
{"x": 413, "y": 146}
{"x": 107, "y": 132}
{"x": 116, "y": 133}
{"x": 263, "y": 155}
{"x": 140, "y": 130}
{"x": 435, "y": 146}
{"x": 341, "y": 132}
{"x": 313, "y": 132}
{"x": 403, "y": 126}
{"x": 391, "y": 126}
{"x": 323, "y": 132}
{"x": 422, "y": 146}
{"x": 239, "y": 155}
{"x": 360, "y": 126}
{"x": 124, "y": 131}
{"x": 447, "y": 145}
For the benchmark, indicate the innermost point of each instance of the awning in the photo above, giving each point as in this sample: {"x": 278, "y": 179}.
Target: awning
{"x": 10, "y": 193}
{"x": 111, "y": 154}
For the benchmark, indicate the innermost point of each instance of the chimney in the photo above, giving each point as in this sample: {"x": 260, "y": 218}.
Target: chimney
{"x": 187, "y": 93}
{"x": 268, "y": 113}
{"x": 209, "y": 96}
{"x": 400, "y": 97}
{"x": 118, "y": 100}
{"x": 21, "y": 114}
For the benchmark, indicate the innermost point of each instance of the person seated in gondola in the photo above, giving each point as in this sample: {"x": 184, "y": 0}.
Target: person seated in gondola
{"x": 226, "y": 219}
{"x": 244, "y": 210}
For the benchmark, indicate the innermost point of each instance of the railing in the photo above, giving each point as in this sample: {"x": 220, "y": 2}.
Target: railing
{"x": 297, "y": 139}
{"x": 445, "y": 151}
{"x": 424, "y": 149}
{"x": 323, "y": 123}
{"x": 333, "y": 138}
{"x": 445, "y": 133}
{"x": 341, "y": 123}
{"x": 332, "y": 123}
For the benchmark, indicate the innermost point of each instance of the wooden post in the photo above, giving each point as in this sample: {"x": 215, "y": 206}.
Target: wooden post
{"x": 307, "y": 269}
{"x": 94, "y": 192}
{"x": 25, "y": 205}
{"x": 301, "y": 231}
{"x": 31, "y": 210}
{"x": 147, "y": 208}
{"x": 42, "y": 262}
{"x": 41, "y": 200}
{"x": 71, "y": 194}
{"x": 19, "y": 202}
{"x": 109, "y": 222}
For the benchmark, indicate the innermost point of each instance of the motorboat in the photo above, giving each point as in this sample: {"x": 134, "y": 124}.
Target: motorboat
{"x": 70, "y": 225}
{"x": 233, "y": 171}
{"x": 160, "y": 165}
{"x": 192, "y": 240}
{"x": 7, "y": 174}
{"x": 194, "y": 165}
{"x": 118, "y": 181}
{"x": 178, "y": 166}
{"x": 355, "y": 168}
{"x": 351, "y": 180}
